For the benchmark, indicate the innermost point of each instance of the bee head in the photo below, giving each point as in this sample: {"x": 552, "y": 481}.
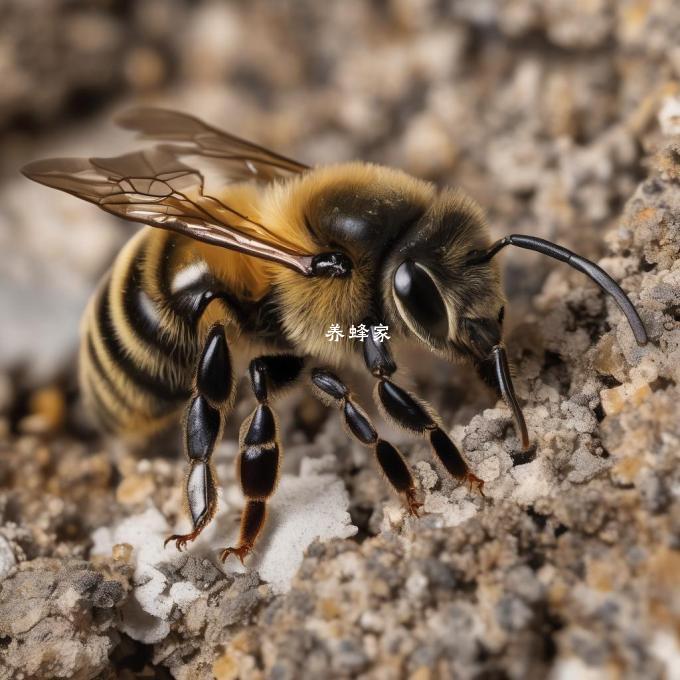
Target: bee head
{"x": 432, "y": 291}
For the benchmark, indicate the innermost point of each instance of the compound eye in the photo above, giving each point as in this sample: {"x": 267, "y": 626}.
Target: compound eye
{"x": 420, "y": 298}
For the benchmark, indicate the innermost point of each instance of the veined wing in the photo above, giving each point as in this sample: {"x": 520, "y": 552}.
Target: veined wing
{"x": 156, "y": 188}
{"x": 237, "y": 158}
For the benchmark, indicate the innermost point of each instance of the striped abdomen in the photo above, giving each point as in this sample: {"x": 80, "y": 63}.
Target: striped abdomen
{"x": 141, "y": 335}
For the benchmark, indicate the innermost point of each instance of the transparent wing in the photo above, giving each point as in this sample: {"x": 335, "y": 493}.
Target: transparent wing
{"x": 154, "y": 187}
{"x": 237, "y": 158}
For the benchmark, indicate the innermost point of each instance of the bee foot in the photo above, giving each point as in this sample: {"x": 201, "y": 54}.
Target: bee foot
{"x": 240, "y": 551}
{"x": 181, "y": 540}
{"x": 475, "y": 481}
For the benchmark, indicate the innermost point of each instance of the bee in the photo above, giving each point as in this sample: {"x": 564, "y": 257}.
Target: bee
{"x": 247, "y": 253}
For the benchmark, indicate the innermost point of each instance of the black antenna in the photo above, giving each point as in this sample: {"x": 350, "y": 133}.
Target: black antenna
{"x": 590, "y": 269}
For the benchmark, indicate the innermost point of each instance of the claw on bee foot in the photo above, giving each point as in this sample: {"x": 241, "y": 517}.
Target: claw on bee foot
{"x": 240, "y": 551}
{"x": 475, "y": 481}
{"x": 181, "y": 540}
{"x": 412, "y": 504}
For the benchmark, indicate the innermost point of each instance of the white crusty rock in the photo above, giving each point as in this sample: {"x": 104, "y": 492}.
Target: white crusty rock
{"x": 306, "y": 507}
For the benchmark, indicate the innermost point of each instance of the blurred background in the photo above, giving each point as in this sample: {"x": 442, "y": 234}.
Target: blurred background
{"x": 538, "y": 109}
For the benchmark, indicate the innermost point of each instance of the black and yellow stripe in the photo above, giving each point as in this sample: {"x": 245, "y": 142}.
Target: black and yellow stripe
{"x": 141, "y": 337}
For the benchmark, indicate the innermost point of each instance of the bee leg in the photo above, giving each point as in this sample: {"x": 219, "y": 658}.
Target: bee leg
{"x": 502, "y": 383}
{"x": 491, "y": 361}
{"x": 260, "y": 449}
{"x": 213, "y": 396}
{"x": 330, "y": 389}
{"x": 417, "y": 416}
{"x": 412, "y": 413}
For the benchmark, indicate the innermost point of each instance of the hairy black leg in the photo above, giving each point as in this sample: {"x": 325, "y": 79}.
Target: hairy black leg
{"x": 508, "y": 392}
{"x": 260, "y": 449}
{"x": 412, "y": 413}
{"x": 490, "y": 359}
{"x": 415, "y": 415}
{"x": 213, "y": 396}
{"x": 330, "y": 389}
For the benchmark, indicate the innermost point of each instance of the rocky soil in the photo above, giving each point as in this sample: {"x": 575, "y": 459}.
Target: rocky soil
{"x": 563, "y": 120}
